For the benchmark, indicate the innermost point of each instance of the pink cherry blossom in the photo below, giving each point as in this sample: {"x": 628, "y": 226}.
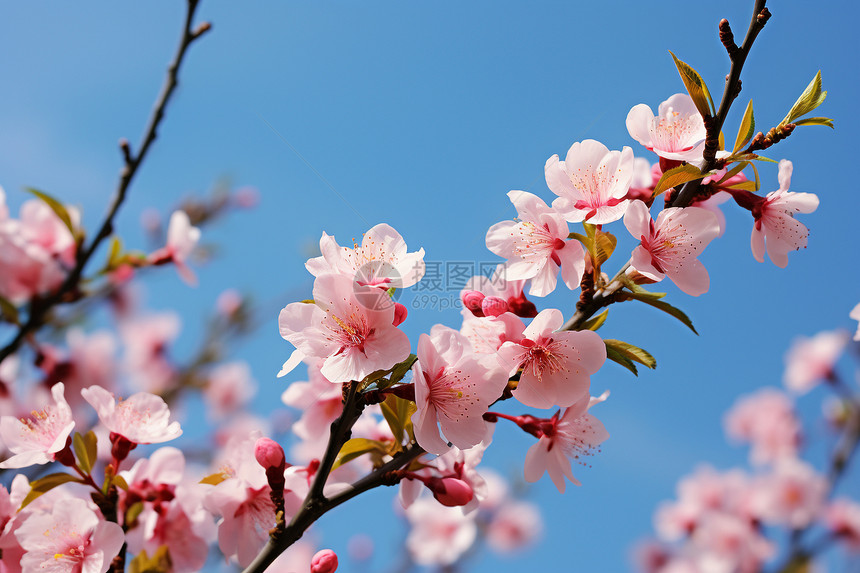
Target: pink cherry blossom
{"x": 229, "y": 388}
{"x": 591, "y": 183}
{"x": 498, "y": 287}
{"x": 147, "y": 340}
{"x": 487, "y": 334}
{"x": 439, "y": 535}
{"x": 141, "y": 419}
{"x": 677, "y": 132}
{"x": 35, "y": 440}
{"x": 556, "y": 365}
{"x": 811, "y": 360}
{"x": 766, "y": 420}
{"x": 842, "y": 517}
{"x": 792, "y": 495}
{"x": 727, "y": 542}
{"x": 670, "y": 245}
{"x": 453, "y": 390}
{"x": 353, "y": 336}
{"x": 382, "y": 259}
{"x": 182, "y": 238}
{"x": 321, "y": 401}
{"x": 775, "y": 222}
{"x": 70, "y": 538}
{"x": 536, "y": 246}
{"x": 325, "y": 561}
{"x": 573, "y": 436}
{"x": 515, "y": 526}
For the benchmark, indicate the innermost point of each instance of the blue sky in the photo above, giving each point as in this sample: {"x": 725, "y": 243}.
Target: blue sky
{"x": 423, "y": 116}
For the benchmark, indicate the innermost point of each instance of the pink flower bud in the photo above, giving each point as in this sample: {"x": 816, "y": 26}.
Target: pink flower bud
{"x": 494, "y": 306}
{"x": 400, "y": 313}
{"x": 325, "y": 561}
{"x": 472, "y": 300}
{"x": 269, "y": 453}
{"x": 451, "y": 492}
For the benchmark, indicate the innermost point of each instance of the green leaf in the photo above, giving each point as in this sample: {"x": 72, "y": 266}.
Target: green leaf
{"x": 816, "y": 121}
{"x": 631, "y": 352}
{"x": 46, "y": 484}
{"x": 159, "y": 562}
{"x": 641, "y": 291}
{"x": 667, "y": 308}
{"x": 132, "y": 513}
{"x": 745, "y": 186}
{"x": 615, "y": 356}
{"x": 9, "y": 311}
{"x": 398, "y": 413}
{"x": 696, "y": 87}
{"x": 115, "y": 251}
{"x": 811, "y": 98}
{"x": 733, "y": 171}
{"x": 677, "y": 176}
{"x": 357, "y": 447}
{"x": 400, "y": 370}
{"x": 596, "y": 322}
{"x": 604, "y": 245}
{"x": 85, "y": 462}
{"x": 120, "y": 482}
{"x": 58, "y": 208}
{"x": 747, "y": 128}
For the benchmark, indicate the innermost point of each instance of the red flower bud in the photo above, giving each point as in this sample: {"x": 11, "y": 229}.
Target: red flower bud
{"x": 269, "y": 454}
{"x": 325, "y": 561}
{"x": 494, "y": 306}
{"x": 451, "y": 492}
{"x": 472, "y": 300}
{"x": 400, "y": 313}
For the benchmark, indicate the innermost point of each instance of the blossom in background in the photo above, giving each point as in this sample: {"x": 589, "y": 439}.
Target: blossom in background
{"x": 142, "y": 418}
{"x": 382, "y": 259}
{"x": 572, "y": 436}
{"x": 453, "y": 389}
{"x": 182, "y": 238}
{"x": 230, "y": 386}
{"x": 792, "y": 495}
{"x": 556, "y": 365}
{"x": 766, "y": 420}
{"x": 353, "y": 336}
{"x": 591, "y": 183}
{"x": 536, "y": 246}
{"x": 842, "y": 517}
{"x": 515, "y": 526}
{"x": 440, "y": 535}
{"x": 670, "y": 245}
{"x": 70, "y": 538}
{"x": 775, "y": 223}
{"x": 147, "y": 339}
{"x": 811, "y": 360}
{"x": 35, "y": 439}
{"x": 321, "y": 401}
{"x": 855, "y": 314}
{"x": 677, "y": 132}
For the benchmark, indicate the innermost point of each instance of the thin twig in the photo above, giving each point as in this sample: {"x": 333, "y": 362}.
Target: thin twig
{"x": 67, "y": 292}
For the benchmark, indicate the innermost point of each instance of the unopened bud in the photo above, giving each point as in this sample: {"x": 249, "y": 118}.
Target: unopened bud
{"x": 400, "y": 313}
{"x": 494, "y": 306}
{"x": 451, "y": 492}
{"x": 472, "y": 300}
{"x": 325, "y": 561}
{"x": 522, "y": 307}
{"x": 269, "y": 454}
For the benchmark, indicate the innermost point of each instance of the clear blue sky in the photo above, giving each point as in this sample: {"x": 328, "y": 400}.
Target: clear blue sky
{"x": 424, "y": 115}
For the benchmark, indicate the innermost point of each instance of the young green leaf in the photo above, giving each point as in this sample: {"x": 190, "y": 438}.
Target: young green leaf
{"x": 815, "y": 121}
{"x": 9, "y": 311}
{"x": 58, "y": 208}
{"x": 617, "y": 357}
{"x": 357, "y": 447}
{"x": 398, "y": 413}
{"x": 596, "y": 322}
{"x": 46, "y": 484}
{"x": 81, "y": 453}
{"x": 747, "y": 128}
{"x": 811, "y": 98}
{"x": 677, "y": 176}
{"x": 631, "y": 352}
{"x": 696, "y": 87}
{"x": 604, "y": 245}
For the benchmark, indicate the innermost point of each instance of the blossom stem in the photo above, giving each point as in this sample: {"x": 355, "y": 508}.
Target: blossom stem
{"x": 68, "y": 291}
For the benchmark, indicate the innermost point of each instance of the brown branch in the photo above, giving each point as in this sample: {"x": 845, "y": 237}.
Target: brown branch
{"x": 714, "y": 125}
{"x": 68, "y": 290}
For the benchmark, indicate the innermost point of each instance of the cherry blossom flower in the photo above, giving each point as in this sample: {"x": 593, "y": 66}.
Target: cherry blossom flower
{"x": 571, "y": 436}
{"x": 842, "y": 517}
{"x": 69, "y": 539}
{"x": 352, "y": 336}
{"x": 677, "y": 132}
{"x": 453, "y": 390}
{"x": 486, "y": 335}
{"x": 182, "y": 238}
{"x": 36, "y": 439}
{"x": 230, "y": 386}
{"x": 321, "y": 401}
{"x": 591, "y": 183}
{"x": 439, "y": 535}
{"x": 775, "y": 223}
{"x": 382, "y": 259}
{"x": 515, "y": 526}
{"x": 766, "y": 420}
{"x": 811, "y": 360}
{"x": 496, "y": 294}
{"x": 670, "y": 245}
{"x": 536, "y": 246}
{"x": 147, "y": 339}
{"x": 792, "y": 495}
{"x": 557, "y": 365}
{"x": 141, "y": 419}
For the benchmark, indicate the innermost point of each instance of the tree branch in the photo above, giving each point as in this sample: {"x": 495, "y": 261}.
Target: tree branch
{"x": 714, "y": 125}
{"x": 68, "y": 290}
